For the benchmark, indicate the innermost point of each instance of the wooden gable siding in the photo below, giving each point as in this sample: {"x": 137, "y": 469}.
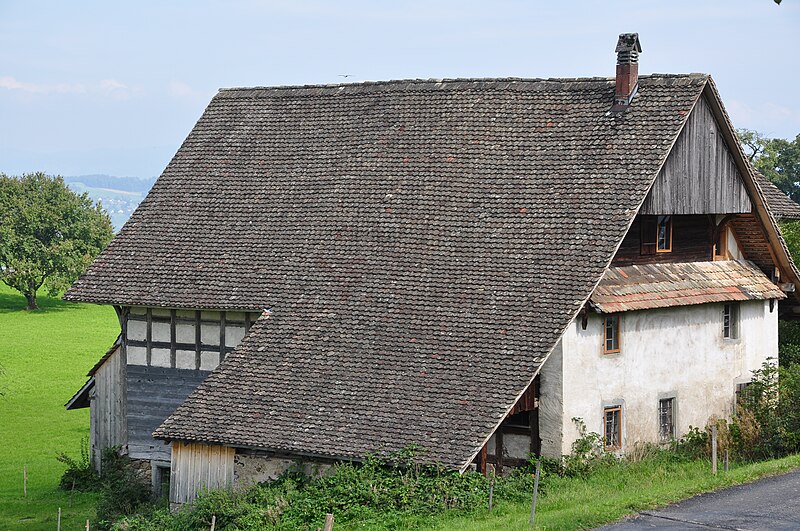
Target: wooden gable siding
{"x": 107, "y": 412}
{"x": 699, "y": 175}
{"x": 692, "y": 241}
{"x": 198, "y": 467}
{"x": 153, "y": 394}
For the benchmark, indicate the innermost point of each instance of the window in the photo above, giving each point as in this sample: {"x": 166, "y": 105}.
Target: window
{"x": 720, "y": 247}
{"x": 613, "y": 427}
{"x": 730, "y": 321}
{"x": 666, "y": 419}
{"x": 611, "y": 335}
{"x": 664, "y": 234}
{"x": 656, "y": 234}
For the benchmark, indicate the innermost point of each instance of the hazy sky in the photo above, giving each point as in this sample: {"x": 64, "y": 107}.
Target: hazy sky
{"x": 113, "y": 87}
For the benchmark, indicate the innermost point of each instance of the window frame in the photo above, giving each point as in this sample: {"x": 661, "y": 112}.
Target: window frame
{"x": 730, "y": 321}
{"x": 616, "y": 337}
{"x": 609, "y": 444}
{"x": 659, "y": 219}
{"x": 663, "y": 436}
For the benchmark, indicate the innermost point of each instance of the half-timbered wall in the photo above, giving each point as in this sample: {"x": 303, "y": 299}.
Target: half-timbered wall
{"x": 198, "y": 467}
{"x": 183, "y": 339}
{"x": 107, "y": 411}
{"x": 169, "y": 353}
{"x": 692, "y": 241}
{"x": 699, "y": 175}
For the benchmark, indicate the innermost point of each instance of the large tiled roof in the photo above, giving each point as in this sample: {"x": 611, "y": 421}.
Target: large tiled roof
{"x": 642, "y": 287}
{"x": 422, "y": 246}
{"x": 781, "y": 206}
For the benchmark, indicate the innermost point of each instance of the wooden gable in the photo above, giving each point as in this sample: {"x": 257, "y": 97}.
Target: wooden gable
{"x": 700, "y": 175}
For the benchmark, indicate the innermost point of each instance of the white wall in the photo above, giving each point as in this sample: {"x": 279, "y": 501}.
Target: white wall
{"x": 672, "y": 351}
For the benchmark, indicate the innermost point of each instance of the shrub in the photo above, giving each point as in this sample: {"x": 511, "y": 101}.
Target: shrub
{"x": 767, "y": 423}
{"x": 694, "y": 444}
{"x": 80, "y": 474}
{"x": 124, "y": 489}
{"x": 588, "y": 451}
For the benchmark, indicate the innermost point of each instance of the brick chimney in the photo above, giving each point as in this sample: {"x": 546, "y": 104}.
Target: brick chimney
{"x": 628, "y": 49}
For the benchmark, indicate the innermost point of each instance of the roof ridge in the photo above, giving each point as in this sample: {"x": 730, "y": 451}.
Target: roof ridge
{"x": 424, "y": 81}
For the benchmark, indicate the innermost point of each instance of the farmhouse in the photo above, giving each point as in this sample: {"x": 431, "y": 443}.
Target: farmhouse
{"x": 465, "y": 265}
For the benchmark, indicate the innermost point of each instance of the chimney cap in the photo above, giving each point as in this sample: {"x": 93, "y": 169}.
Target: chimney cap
{"x": 628, "y": 42}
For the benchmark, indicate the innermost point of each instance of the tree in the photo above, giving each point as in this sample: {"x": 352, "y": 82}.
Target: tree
{"x": 777, "y": 158}
{"x": 48, "y": 234}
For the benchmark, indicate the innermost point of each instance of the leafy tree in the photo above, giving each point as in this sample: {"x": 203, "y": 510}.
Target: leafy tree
{"x": 48, "y": 234}
{"x": 777, "y": 158}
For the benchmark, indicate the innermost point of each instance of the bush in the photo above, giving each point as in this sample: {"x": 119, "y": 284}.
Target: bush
{"x": 694, "y": 444}
{"x": 124, "y": 489}
{"x": 80, "y": 475}
{"x": 767, "y": 422}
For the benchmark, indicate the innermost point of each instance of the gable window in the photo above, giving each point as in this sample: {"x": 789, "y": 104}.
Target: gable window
{"x": 666, "y": 419}
{"x": 730, "y": 321}
{"x": 612, "y": 434}
{"x": 664, "y": 234}
{"x": 611, "y": 334}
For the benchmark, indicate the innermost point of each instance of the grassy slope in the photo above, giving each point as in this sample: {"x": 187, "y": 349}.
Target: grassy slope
{"x": 45, "y": 355}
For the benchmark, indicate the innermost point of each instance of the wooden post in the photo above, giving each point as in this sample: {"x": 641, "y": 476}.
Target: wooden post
{"x": 59, "y": 519}
{"x": 726, "y": 460}
{"x": 535, "y": 492}
{"x": 87, "y": 525}
{"x": 213, "y": 522}
{"x": 25, "y": 481}
{"x": 328, "y": 522}
{"x": 714, "y": 449}
{"x": 491, "y": 491}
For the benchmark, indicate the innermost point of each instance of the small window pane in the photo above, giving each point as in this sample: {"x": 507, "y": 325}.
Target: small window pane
{"x": 666, "y": 419}
{"x": 730, "y": 321}
{"x": 611, "y": 333}
{"x": 664, "y": 234}
{"x": 613, "y": 427}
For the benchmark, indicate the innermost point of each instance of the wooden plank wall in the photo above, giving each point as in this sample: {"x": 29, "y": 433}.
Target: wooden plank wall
{"x": 153, "y": 394}
{"x": 692, "y": 241}
{"x": 107, "y": 415}
{"x": 699, "y": 176}
{"x": 196, "y": 467}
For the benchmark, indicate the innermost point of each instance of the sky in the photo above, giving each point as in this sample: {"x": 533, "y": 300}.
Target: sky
{"x": 92, "y": 87}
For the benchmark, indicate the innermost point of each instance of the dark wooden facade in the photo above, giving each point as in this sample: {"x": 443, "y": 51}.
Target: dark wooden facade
{"x": 692, "y": 241}
{"x": 521, "y": 424}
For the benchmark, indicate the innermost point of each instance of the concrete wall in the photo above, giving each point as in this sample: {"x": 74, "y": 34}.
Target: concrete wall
{"x": 671, "y": 352}
{"x": 249, "y": 469}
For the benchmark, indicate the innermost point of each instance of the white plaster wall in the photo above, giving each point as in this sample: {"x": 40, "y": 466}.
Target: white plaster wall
{"x": 551, "y": 404}
{"x": 671, "y": 351}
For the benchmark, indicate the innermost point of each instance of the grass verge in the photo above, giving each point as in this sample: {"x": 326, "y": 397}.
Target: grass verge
{"x": 45, "y": 356}
{"x": 608, "y": 495}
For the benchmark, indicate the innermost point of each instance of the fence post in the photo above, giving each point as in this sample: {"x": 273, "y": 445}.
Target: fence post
{"x": 59, "y": 519}
{"x": 726, "y": 460}
{"x": 535, "y": 491}
{"x": 714, "y": 449}
{"x": 328, "y": 522}
{"x": 213, "y": 522}
{"x": 490, "y": 470}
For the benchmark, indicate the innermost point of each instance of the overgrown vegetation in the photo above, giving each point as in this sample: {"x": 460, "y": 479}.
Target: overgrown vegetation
{"x": 123, "y": 489}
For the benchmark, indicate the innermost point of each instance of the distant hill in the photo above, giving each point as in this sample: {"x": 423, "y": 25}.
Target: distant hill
{"x": 119, "y": 195}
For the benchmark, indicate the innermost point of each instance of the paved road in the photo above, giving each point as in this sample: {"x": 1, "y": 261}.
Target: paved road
{"x": 771, "y": 503}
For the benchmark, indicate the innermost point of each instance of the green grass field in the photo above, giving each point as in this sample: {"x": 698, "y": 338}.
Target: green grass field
{"x": 45, "y": 356}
